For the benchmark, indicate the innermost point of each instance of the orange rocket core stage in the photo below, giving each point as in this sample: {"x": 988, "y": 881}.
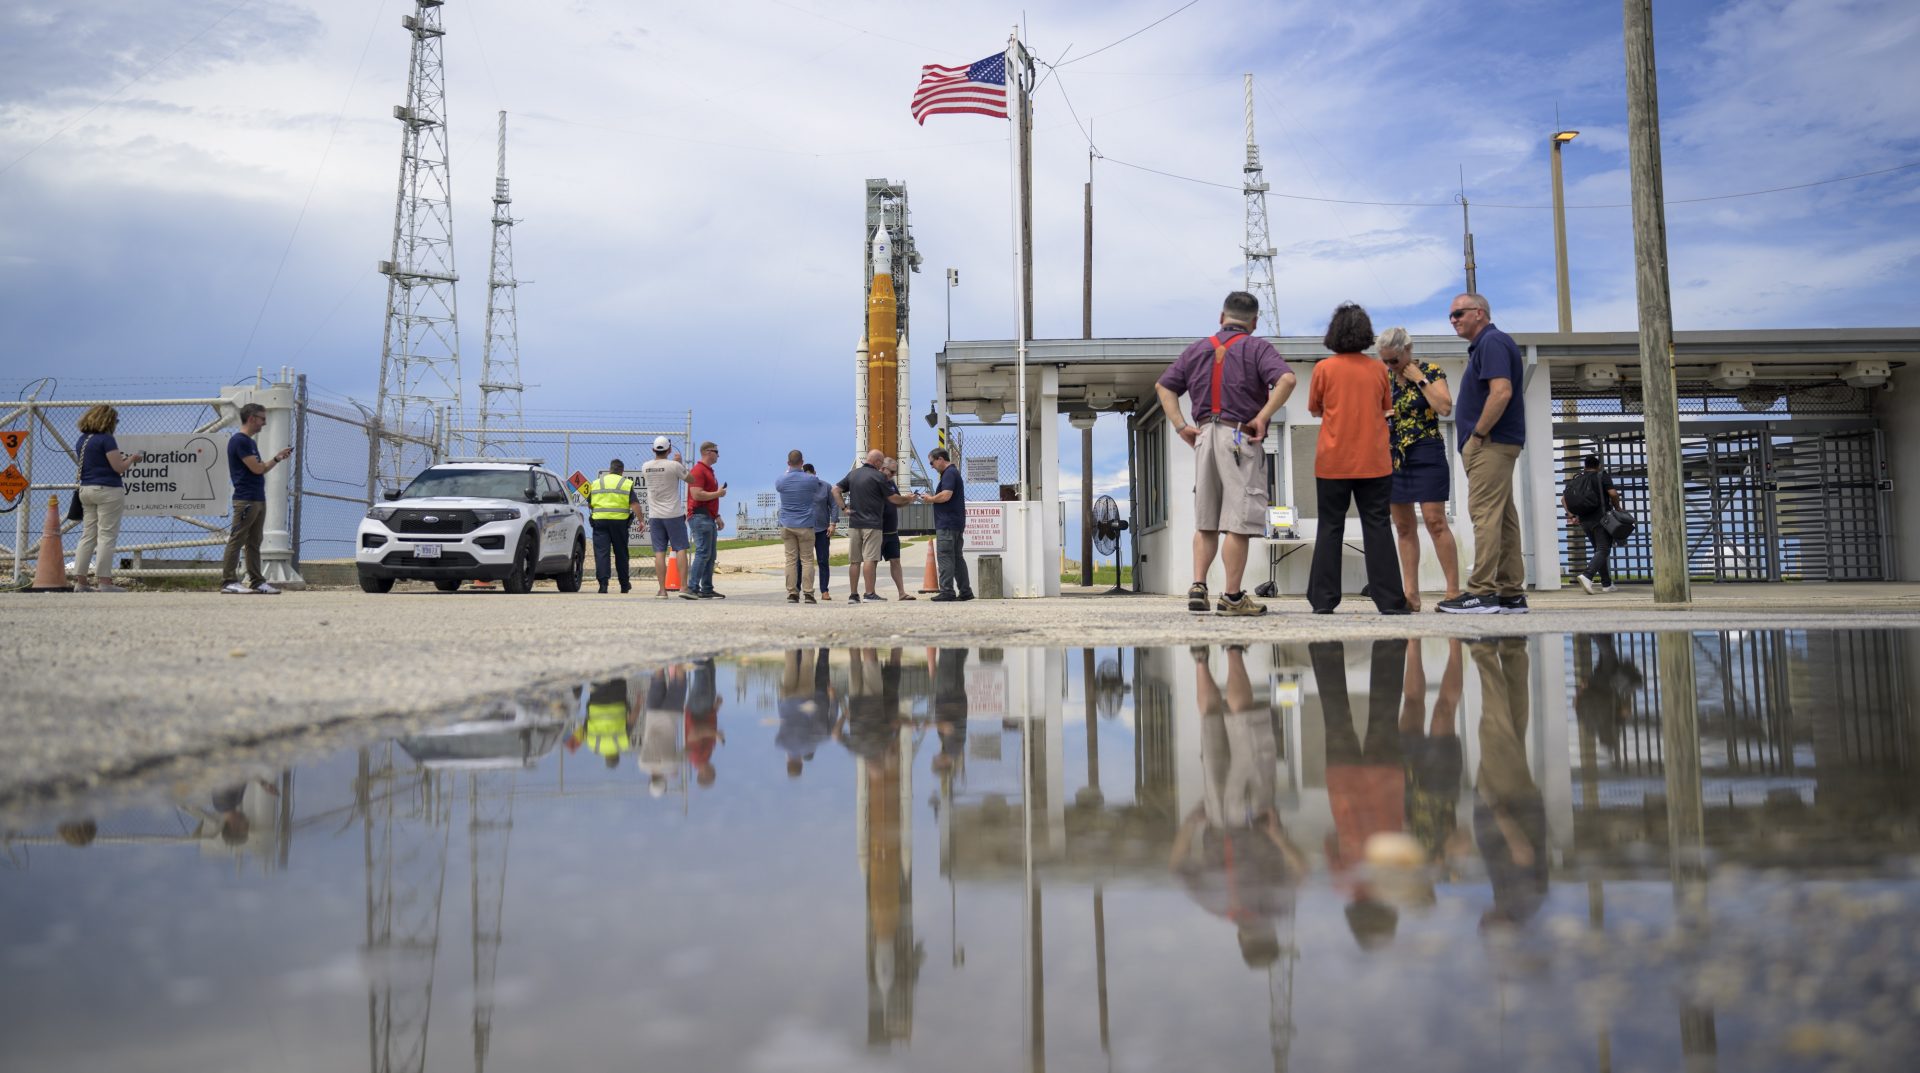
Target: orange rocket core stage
{"x": 883, "y": 352}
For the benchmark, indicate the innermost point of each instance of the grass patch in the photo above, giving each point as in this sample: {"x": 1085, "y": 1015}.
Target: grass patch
{"x": 1102, "y": 575}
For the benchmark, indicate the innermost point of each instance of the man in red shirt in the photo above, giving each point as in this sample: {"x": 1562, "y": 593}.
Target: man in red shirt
{"x": 704, "y": 523}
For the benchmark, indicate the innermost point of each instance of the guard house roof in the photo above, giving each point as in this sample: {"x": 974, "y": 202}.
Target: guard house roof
{"x": 1093, "y": 370}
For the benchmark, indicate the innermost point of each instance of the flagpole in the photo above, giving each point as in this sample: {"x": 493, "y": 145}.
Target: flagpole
{"x": 1022, "y": 269}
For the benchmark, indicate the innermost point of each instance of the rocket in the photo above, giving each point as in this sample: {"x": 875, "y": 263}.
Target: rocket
{"x": 882, "y": 352}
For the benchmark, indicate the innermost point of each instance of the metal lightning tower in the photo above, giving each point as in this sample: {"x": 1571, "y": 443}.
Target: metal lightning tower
{"x": 500, "y": 387}
{"x": 420, "y": 352}
{"x": 1259, "y": 245}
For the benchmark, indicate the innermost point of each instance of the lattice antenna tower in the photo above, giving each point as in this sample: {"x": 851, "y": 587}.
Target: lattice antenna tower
{"x": 501, "y": 417}
{"x": 1259, "y": 244}
{"x": 420, "y": 351}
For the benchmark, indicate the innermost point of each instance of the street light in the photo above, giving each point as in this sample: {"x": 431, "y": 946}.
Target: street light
{"x": 1565, "y": 295}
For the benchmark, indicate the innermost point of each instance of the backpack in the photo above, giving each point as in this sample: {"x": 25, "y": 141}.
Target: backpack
{"x": 1584, "y": 497}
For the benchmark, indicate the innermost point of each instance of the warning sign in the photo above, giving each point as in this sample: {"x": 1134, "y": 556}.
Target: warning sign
{"x": 12, "y": 439}
{"x": 986, "y": 527}
{"x": 12, "y": 482}
{"x": 179, "y": 474}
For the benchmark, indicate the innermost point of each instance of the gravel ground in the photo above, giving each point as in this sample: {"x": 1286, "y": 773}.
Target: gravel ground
{"x": 98, "y": 687}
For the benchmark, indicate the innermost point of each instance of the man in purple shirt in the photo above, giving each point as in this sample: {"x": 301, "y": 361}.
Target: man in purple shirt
{"x": 1233, "y": 383}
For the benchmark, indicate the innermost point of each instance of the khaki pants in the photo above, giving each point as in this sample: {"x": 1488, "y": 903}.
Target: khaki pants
{"x": 1497, "y": 567}
{"x": 101, "y": 506}
{"x": 249, "y": 525}
{"x": 800, "y": 565}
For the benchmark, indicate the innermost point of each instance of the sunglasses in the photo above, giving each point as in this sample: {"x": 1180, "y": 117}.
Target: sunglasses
{"x": 1458, "y": 313}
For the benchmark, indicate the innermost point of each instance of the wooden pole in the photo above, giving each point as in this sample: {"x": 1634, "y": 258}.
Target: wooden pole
{"x": 1667, "y": 520}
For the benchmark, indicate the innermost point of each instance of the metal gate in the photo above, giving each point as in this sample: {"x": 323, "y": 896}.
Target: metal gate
{"x": 1770, "y": 501}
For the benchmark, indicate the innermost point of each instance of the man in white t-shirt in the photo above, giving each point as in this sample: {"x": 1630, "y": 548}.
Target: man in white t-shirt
{"x": 666, "y": 480}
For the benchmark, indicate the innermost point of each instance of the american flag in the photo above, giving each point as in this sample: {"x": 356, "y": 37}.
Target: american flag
{"x": 980, "y": 88}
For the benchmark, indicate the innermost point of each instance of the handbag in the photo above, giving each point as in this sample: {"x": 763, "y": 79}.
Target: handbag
{"x": 1617, "y": 524}
{"x": 74, "y": 511}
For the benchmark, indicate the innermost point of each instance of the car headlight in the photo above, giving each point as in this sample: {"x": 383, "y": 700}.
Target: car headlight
{"x": 381, "y": 514}
{"x": 496, "y": 515}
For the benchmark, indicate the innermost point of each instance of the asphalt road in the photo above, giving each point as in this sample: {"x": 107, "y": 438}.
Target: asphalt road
{"x": 102, "y": 686}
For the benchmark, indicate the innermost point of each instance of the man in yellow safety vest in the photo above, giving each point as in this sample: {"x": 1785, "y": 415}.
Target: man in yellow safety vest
{"x": 610, "y": 498}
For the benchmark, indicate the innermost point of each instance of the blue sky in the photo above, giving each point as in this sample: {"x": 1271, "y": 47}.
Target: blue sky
{"x": 691, "y": 176}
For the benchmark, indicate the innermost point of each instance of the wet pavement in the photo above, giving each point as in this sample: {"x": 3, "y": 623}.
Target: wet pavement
{"x": 1630, "y": 851}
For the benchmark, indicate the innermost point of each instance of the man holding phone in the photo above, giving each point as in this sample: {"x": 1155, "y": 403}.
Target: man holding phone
{"x": 249, "y": 504}
{"x": 704, "y": 492}
{"x": 1234, "y": 383}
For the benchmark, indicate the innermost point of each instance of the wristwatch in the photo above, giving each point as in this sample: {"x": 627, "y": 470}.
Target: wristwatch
{"x": 1478, "y": 435}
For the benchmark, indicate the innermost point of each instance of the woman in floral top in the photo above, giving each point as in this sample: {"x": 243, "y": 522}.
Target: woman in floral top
{"x": 1422, "y": 477}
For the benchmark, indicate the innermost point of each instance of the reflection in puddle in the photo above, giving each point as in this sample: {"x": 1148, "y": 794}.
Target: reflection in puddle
{"x": 1640, "y": 851}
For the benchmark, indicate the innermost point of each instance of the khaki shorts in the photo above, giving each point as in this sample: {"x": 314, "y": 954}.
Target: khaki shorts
{"x": 863, "y": 545}
{"x": 1229, "y": 492}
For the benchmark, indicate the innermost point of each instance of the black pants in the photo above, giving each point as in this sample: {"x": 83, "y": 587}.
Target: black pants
{"x": 1386, "y": 675}
{"x": 610, "y": 533}
{"x": 1371, "y": 495}
{"x": 821, "y": 545}
{"x": 1601, "y": 546}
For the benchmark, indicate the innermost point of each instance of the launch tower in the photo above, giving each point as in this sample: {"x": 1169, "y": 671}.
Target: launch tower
{"x": 886, "y": 423}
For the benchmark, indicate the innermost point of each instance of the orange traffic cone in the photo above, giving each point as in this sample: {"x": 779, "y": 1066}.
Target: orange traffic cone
{"x": 673, "y": 572}
{"x": 50, "y": 572}
{"x": 931, "y": 582}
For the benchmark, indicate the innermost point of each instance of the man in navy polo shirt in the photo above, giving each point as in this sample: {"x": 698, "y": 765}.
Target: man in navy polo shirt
{"x": 249, "y": 504}
{"x": 1492, "y": 426}
{"x": 949, "y": 501}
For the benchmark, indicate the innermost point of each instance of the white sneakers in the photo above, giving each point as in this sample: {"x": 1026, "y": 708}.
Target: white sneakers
{"x": 234, "y": 588}
{"x": 265, "y": 589}
{"x": 1592, "y": 586}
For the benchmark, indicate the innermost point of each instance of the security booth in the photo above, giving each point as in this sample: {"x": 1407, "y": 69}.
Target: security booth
{"x": 1792, "y": 441}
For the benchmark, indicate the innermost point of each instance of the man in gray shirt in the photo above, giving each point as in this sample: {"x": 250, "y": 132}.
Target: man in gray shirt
{"x": 864, "y": 494}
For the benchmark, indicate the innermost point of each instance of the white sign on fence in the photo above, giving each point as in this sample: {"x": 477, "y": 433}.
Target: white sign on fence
{"x": 181, "y": 474}
{"x": 983, "y": 470}
{"x": 986, "y": 527}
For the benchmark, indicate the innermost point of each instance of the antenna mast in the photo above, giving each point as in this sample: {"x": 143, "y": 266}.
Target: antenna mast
{"x": 500, "y": 387}
{"x": 1259, "y": 244}
{"x": 420, "y": 351}
{"x": 1466, "y": 235}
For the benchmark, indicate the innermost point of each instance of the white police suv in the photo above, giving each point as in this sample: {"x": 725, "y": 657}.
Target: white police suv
{"x": 478, "y": 519}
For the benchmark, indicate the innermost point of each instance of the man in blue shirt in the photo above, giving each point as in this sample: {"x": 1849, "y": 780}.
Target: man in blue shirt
{"x": 798, "y": 491}
{"x": 949, "y": 501}
{"x": 249, "y": 504}
{"x": 1492, "y": 426}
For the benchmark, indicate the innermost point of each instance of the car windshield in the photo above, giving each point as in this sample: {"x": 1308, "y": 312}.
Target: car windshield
{"x": 470, "y": 484}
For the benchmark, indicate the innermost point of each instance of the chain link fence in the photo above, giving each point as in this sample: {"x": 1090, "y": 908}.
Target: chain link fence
{"x": 989, "y": 459}
{"x": 336, "y": 478}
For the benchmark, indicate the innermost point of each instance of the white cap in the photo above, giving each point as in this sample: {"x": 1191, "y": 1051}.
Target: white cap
{"x": 880, "y": 254}
{"x": 661, "y": 443}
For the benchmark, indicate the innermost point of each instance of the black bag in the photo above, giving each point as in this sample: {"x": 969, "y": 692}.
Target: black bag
{"x": 1585, "y": 497}
{"x": 1617, "y": 524}
{"x": 74, "y": 512}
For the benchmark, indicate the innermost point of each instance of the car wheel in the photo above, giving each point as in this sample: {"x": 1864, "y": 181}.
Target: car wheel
{"x": 577, "y": 571}
{"x": 526, "y": 561}
{"x": 369, "y": 583}
{"x": 447, "y": 586}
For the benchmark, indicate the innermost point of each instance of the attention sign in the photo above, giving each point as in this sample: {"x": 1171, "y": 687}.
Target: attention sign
{"x": 986, "y": 527}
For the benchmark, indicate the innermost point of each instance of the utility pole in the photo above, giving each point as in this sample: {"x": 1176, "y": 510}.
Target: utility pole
{"x": 420, "y": 350}
{"x": 1466, "y": 236}
{"x": 1561, "y": 287}
{"x": 500, "y": 386}
{"x": 1258, "y": 247}
{"x": 1086, "y": 434}
{"x": 1659, "y": 393}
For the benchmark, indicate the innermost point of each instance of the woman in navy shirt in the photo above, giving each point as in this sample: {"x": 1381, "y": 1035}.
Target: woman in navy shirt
{"x": 102, "y": 496}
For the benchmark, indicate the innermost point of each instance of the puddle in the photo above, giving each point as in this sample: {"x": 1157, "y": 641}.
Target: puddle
{"x": 1632, "y": 851}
